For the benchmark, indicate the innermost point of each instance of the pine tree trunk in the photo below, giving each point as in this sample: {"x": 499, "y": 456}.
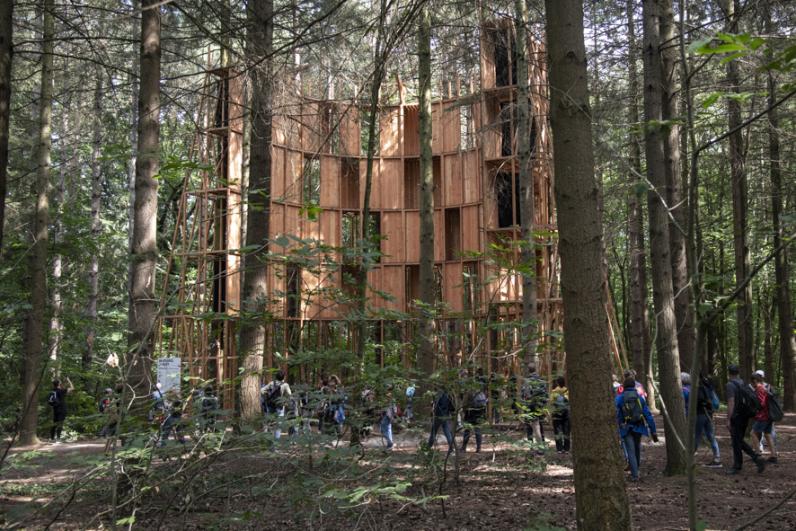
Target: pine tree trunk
{"x": 96, "y": 223}
{"x": 787, "y": 342}
{"x": 743, "y": 308}
{"x": 678, "y": 228}
{"x": 57, "y": 207}
{"x": 524, "y": 153}
{"x": 255, "y": 281}
{"x": 639, "y": 319}
{"x": 143, "y": 309}
{"x": 660, "y": 248}
{"x": 425, "y": 355}
{"x": 34, "y": 324}
{"x": 601, "y": 504}
{"x": 6, "y": 40}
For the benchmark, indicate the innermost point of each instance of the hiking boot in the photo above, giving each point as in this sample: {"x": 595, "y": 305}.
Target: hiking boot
{"x": 772, "y": 460}
{"x": 761, "y": 464}
{"x": 716, "y": 463}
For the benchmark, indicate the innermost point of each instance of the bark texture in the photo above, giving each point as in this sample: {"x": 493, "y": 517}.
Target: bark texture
{"x": 787, "y": 342}
{"x": 524, "y": 154}
{"x": 143, "y": 309}
{"x": 639, "y": 320}
{"x": 601, "y": 500}
{"x": 96, "y": 223}
{"x": 660, "y": 249}
{"x": 743, "y": 308}
{"x": 32, "y": 342}
{"x": 6, "y": 53}
{"x": 425, "y": 355}
{"x": 255, "y": 280}
{"x": 678, "y": 224}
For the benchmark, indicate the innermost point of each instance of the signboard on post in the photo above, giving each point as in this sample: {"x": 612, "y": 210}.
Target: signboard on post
{"x": 169, "y": 373}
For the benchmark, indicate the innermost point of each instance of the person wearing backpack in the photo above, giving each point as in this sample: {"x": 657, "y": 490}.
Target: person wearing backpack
{"x": 534, "y": 398}
{"x": 763, "y": 424}
{"x": 742, "y": 406}
{"x": 442, "y": 411}
{"x": 275, "y": 397}
{"x": 707, "y": 403}
{"x": 634, "y": 419}
{"x": 559, "y": 408}
{"x": 474, "y": 416}
{"x": 388, "y": 416}
{"x": 208, "y": 407}
{"x": 57, "y": 400}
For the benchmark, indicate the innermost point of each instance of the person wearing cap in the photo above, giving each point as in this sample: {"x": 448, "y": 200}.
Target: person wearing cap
{"x": 763, "y": 425}
{"x": 737, "y": 422}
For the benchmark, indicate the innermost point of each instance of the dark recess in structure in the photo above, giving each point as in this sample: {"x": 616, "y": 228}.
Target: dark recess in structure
{"x": 453, "y": 240}
{"x": 411, "y": 183}
{"x": 412, "y": 284}
{"x": 349, "y": 183}
{"x": 503, "y": 196}
{"x": 293, "y": 290}
{"x": 505, "y": 130}
{"x": 437, "y": 170}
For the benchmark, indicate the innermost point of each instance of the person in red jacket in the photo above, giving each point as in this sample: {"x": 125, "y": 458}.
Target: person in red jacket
{"x": 762, "y": 425}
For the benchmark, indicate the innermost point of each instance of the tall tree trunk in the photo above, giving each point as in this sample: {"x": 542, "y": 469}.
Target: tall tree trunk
{"x": 96, "y": 222}
{"x": 524, "y": 153}
{"x": 143, "y": 309}
{"x": 787, "y": 342}
{"x": 600, "y": 504}
{"x": 678, "y": 227}
{"x": 6, "y": 52}
{"x": 425, "y": 355}
{"x": 660, "y": 249}
{"x": 639, "y": 320}
{"x": 34, "y": 324}
{"x": 743, "y": 308}
{"x": 255, "y": 281}
{"x": 365, "y": 243}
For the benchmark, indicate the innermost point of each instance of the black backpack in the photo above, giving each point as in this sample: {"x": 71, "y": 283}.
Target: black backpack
{"x": 52, "y": 399}
{"x": 273, "y": 395}
{"x": 631, "y": 407}
{"x": 746, "y": 402}
{"x": 775, "y": 413}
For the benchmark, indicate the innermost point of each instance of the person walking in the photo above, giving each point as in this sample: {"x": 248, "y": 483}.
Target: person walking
{"x": 634, "y": 420}
{"x": 388, "y": 416}
{"x": 763, "y": 426}
{"x": 474, "y": 416}
{"x": 442, "y": 412}
{"x": 276, "y": 396}
{"x": 533, "y": 403}
{"x": 559, "y": 409}
{"x": 57, "y": 400}
{"x": 742, "y": 406}
{"x": 707, "y": 403}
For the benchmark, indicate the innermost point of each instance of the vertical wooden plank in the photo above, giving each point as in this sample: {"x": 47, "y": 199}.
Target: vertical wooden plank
{"x": 453, "y": 180}
{"x": 393, "y": 284}
{"x": 470, "y": 229}
{"x": 390, "y": 132}
{"x": 450, "y": 124}
{"x": 375, "y": 190}
{"x": 439, "y": 235}
{"x": 452, "y": 286}
{"x": 392, "y": 229}
{"x": 412, "y": 237}
{"x": 470, "y": 171}
{"x": 391, "y": 184}
{"x": 277, "y": 174}
{"x": 330, "y": 182}
{"x": 294, "y": 167}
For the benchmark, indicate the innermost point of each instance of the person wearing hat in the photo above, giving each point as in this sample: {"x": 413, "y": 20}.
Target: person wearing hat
{"x": 763, "y": 425}
{"x": 737, "y": 422}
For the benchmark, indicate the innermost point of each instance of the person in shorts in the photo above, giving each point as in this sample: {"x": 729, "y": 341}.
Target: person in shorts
{"x": 762, "y": 425}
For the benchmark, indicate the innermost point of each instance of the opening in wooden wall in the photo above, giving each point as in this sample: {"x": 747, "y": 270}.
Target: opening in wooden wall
{"x": 374, "y": 226}
{"x": 412, "y": 285}
{"x": 312, "y": 180}
{"x": 470, "y": 286}
{"x": 349, "y": 183}
{"x": 411, "y": 183}
{"x": 331, "y": 128}
{"x": 503, "y": 198}
{"x": 350, "y": 235}
{"x": 466, "y": 127}
{"x": 293, "y": 290}
{"x": 505, "y": 130}
{"x": 437, "y": 169}
{"x": 437, "y": 282}
{"x": 453, "y": 239}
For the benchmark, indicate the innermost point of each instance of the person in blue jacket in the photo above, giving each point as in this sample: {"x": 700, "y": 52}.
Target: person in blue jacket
{"x": 634, "y": 419}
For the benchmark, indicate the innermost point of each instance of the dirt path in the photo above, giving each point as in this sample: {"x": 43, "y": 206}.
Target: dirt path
{"x": 501, "y": 488}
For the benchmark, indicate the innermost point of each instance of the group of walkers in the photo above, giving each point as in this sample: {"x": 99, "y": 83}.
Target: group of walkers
{"x": 329, "y": 408}
{"x": 754, "y": 402}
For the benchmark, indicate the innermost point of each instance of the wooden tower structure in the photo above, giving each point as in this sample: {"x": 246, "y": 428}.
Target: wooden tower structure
{"x": 317, "y": 191}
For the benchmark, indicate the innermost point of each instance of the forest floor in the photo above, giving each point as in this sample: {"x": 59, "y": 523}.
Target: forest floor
{"x": 506, "y": 486}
